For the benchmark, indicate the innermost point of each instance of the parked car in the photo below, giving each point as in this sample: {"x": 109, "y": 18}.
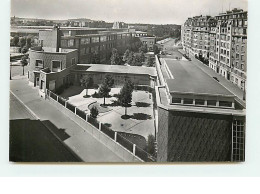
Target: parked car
{"x": 216, "y": 79}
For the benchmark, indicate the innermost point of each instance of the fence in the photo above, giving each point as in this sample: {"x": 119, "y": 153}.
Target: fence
{"x": 107, "y": 131}
{"x": 135, "y": 150}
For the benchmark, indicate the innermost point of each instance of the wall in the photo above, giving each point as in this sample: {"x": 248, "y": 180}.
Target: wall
{"x": 194, "y": 137}
{"x": 122, "y": 152}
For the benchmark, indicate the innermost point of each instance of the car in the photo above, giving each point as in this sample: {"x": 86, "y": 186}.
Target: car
{"x": 216, "y": 79}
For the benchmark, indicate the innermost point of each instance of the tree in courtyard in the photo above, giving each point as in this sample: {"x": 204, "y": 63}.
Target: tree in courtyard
{"x": 151, "y": 145}
{"x": 156, "y": 49}
{"x": 22, "y": 42}
{"x": 109, "y": 80}
{"x": 104, "y": 90}
{"x": 126, "y": 55}
{"x": 115, "y": 57}
{"x": 94, "y": 112}
{"x": 125, "y": 95}
{"x": 87, "y": 82}
{"x": 149, "y": 62}
{"x": 24, "y": 62}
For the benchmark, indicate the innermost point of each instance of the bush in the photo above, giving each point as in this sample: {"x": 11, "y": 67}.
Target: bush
{"x": 94, "y": 112}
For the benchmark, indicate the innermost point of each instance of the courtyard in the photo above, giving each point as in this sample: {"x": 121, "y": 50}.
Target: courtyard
{"x": 140, "y": 118}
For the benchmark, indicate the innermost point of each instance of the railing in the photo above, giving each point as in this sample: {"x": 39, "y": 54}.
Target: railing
{"x": 135, "y": 150}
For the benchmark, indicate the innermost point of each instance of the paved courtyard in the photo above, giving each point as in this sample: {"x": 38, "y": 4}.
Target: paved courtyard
{"x": 141, "y": 116}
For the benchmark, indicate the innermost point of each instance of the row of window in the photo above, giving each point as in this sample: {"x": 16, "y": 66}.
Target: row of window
{"x": 56, "y": 65}
{"x": 188, "y": 101}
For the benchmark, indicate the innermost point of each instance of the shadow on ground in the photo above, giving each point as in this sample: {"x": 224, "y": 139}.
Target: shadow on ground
{"x": 142, "y": 104}
{"x": 31, "y": 141}
{"x": 72, "y": 91}
{"x": 137, "y": 116}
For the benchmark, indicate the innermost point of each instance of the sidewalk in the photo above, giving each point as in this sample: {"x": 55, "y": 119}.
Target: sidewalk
{"x": 81, "y": 142}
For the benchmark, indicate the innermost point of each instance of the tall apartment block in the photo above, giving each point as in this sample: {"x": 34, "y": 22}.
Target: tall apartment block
{"x": 222, "y": 40}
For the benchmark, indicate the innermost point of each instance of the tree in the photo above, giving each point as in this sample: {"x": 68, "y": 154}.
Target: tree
{"x": 126, "y": 55}
{"x": 24, "y": 62}
{"x": 137, "y": 60}
{"x": 94, "y": 112}
{"x": 104, "y": 90}
{"x": 109, "y": 80}
{"x": 87, "y": 82}
{"x": 142, "y": 56}
{"x": 125, "y": 95}
{"x": 115, "y": 57}
{"x": 143, "y": 48}
{"x": 28, "y": 42}
{"x": 24, "y": 49}
{"x": 149, "y": 62}
{"x": 156, "y": 49}
{"x": 130, "y": 58}
{"x": 22, "y": 42}
{"x": 151, "y": 144}
{"x": 15, "y": 40}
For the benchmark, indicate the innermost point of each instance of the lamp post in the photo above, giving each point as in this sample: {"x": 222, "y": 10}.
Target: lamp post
{"x": 244, "y": 89}
{"x": 10, "y": 71}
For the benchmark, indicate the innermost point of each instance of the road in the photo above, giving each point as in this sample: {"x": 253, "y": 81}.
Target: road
{"x": 31, "y": 141}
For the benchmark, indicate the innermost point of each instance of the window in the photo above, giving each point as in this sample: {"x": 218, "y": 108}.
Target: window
{"x": 176, "y": 100}
{"x": 84, "y": 41}
{"x": 39, "y": 63}
{"x": 211, "y": 102}
{"x": 70, "y": 42}
{"x": 56, "y": 66}
{"x": 225, "y": 103}
{"x": 199, "y": 102}
{"x": 73, "y": 61}
{"x": 238, "y": 141}
{"x": 103, "y": 38}
{"x": 95, "y": 39}
{"x": 187, "y": 101}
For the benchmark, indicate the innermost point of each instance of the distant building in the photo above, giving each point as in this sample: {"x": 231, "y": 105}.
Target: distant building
{"x": 222, "y": 40}
{"x": 198, "y": 119}
{"x": 150, "y": 41}
{"x": 119, "y": 25}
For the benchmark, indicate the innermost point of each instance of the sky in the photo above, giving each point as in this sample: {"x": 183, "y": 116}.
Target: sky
{"x": 129, "y": 11}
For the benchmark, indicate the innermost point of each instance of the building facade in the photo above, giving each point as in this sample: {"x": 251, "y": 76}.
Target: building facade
{"x": 198, "y": 119}
{"x": 222, "y": 41}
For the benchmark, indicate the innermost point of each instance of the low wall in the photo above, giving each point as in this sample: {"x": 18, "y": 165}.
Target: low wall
{"x": 119, "y": 150}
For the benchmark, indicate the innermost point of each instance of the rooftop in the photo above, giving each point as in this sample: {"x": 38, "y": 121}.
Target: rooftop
{"x": 116, "y": 69}
{"x": 188, "y": 78}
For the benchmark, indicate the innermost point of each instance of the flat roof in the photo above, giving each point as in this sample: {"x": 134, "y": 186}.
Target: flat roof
{"x": 188, "y": 78}
{"x": 117, "y": 69}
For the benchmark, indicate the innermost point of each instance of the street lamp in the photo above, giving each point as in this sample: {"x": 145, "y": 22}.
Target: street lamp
{"x": 244, "y": 89}
{"x": 10, "y": 71}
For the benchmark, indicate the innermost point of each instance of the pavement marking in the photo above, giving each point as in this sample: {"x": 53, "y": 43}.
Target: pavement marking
{"x": 31, "y": 112}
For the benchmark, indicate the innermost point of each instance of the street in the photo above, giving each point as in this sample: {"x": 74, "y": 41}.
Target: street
{"x": 31, "y": 141}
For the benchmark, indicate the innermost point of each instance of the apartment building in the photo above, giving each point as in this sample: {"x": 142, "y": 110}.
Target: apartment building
{"x": 220, "y": 40}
